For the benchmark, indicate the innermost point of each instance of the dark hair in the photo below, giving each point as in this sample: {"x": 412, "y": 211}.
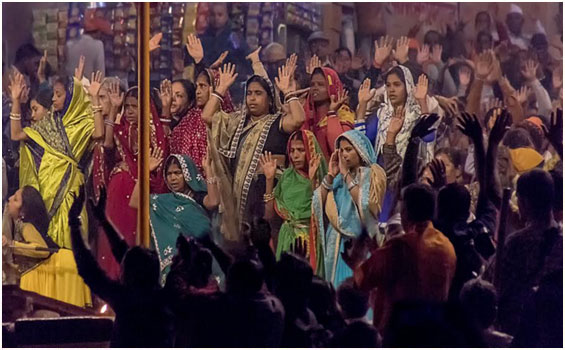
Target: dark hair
{"x": 398, "y": 72}
{"x": 539, "y": 39}
{"x": 292, "y": 283}
{"x": 478, "y": 298}
{"x": 322, "y": 301}
{"x": 453, "y": 203}
{"x": 189, "y": 89}
{"x": 34, "y": 211}
{"x": 261, "y": 81}
{"x": 535, "y": 133}
{"x": 517, "y": 138}
{"x": 205, "y": 74}
{"x": 455, "y": 155}
{"x": 25, "y": 52}
{"x": 557, "y": 176}
{"x": 429, "y": 34}
{"x": 343, "y": 48}
{"x": 419, "y": 202}
{"x": 44, "y": 96}
{"x": 482, "y": 13}
{"x": 140, "y": 268}
{"x": 353, "y": 301}
{"x": 536, "y": 188}
{"x": 154, "y": 95}
{"x": 245, "y": 277}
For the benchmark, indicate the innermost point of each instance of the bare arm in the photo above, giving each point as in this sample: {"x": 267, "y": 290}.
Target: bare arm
{"x": 269, "y": 167}
{"x": 17, "y": 87}
{"x": 93, "y": 90}
{"x": 212, "y": 199}
{"x": 227, "y": 78}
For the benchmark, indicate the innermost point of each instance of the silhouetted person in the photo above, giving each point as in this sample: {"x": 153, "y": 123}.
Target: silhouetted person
{"x": 323, "y": 304}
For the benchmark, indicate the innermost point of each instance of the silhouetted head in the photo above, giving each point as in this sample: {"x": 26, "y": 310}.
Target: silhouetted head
{"x": 453, "y": 203}
{"x": 354, "y": 302}
{"x": 245, "y": 277}
{"x": 293, "y": 282}
{"x": 140, "y": 268}
{"x": 418, "y": 204}
{"x": 479, "y": 300}
{"x": 323, "y": 302}
{"x": 535, "y": 192}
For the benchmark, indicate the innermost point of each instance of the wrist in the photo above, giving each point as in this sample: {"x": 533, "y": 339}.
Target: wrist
{"x": 377, "y": 65}
{"x": 221, "y": 90}
{"x": 197, "y": 60}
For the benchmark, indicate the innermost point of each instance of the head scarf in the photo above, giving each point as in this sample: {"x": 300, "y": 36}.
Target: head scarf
{"x": 214, "y": 78}
{"x": 190, "y": 173}
{"x": 361, "y": 144}
{"x": 312, "y": 148}
{"x": 525, "y": 159}
{"x": 333, "y": 86}
{"x": 412, "y": 112}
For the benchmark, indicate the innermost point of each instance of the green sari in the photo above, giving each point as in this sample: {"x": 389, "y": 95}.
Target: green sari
{"x": 177, "y": 213}
{"x": 293, "y": 195}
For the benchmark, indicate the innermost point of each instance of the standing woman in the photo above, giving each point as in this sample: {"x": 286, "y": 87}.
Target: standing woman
{"x": 124, "y": 175}
{"x": 327, "y": 113}
{"x": 291, "y": 198}
{"x": 241, "y": 138}
{"x": 53, "y": 155}
{"x": 351, "y": 198}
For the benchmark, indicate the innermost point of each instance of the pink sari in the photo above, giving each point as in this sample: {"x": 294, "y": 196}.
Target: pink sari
{"x": 122, "y": 181}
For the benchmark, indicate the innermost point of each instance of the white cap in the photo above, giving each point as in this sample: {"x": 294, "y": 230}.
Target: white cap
{"x": 539, "y": 28}
{"x": 516, "y": 9}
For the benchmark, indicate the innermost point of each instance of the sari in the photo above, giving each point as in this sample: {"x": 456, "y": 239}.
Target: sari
{"x": 327, "y": 129}
{"x": 177, "y": 213}
{"x": 236, "y": 143}
{"x": 347, "y": 219}
{"x": 53, "y": 160}
{"x": 293, "y": 195}
{"x": 122, "y": 181}
{"x": 189, "y": 137}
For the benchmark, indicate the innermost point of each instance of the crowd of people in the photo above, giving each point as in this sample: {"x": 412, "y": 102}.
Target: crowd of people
{"x": 330, "y": 203}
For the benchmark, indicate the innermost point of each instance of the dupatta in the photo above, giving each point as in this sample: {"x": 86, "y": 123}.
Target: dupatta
{"x": 293, "y": 194}
{"x": 177, "y": 213}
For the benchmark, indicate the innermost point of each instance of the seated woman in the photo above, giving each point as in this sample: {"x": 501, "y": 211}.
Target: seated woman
{"x": 291, "y": 198}
{"x": 351, "y": 198}
{"x": 41, "y": 266}
{"x": 185, "y": 210}
{"x": 327, "y": 114}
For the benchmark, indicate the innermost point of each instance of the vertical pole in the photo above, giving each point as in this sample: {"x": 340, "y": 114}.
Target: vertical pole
{"x": 144, "y": 113}
{"x": 501, "y": 236}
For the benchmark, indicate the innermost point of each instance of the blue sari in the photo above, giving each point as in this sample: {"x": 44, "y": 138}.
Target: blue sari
{"x": 347, "y": 219}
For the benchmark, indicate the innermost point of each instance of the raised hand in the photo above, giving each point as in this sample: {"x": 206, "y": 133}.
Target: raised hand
{"x": 401, "y": 52}
{"x": 166, "y": 94}
{"x": 41, "y": 69}
{"x": 484, "y": 65}
{"x": 313, "y": 166}
{"x": 313, "y": 64}
{"x": 217, "y": 63}
{"x": 79, "y": 71}
{"x": 78, "y": 204}
{"x": 437, "y": 168}
{"x": 424, "y": 125}
{"x": 154, "y": 42}
{"x": 365, "y": 94}
{"x": 291, "y": 63}
{"x": 340, "y": 99}
{"x": 521, "y": 95}
{"x": 554, "y": 131}
{"x": 227, "y": 78}
{"x": 194, "y": 48}
{"x": 334, "y": 164}
{"x": 437, "y": 51}
{"x": 25, "y": 95}
{"x": 17, "y": 86}
{"x": 396, "y": 122}
{"x": 529, "y": 70}
{"x": 283, "y": 81}
{"x": 382, "y": 51}
{"x": 494, "y": 103}
{"x": 99, "y": 210}
{"x": 268, "y": 165}
{"x": 423, "y": 54}
{"x": 343, "y": 170}
{"x": 470, "y": 126}
{"x": 299, "y": 247}
{"x": 421, "y": 89}
{"x": 449, "y": 105}
{"x": 254, "y": 56}
{"x": 116, "y": 97}
{"x": 557, "y": 78}
{"x": 464, "y": 76}
{"x": 155, "y": 158}
{"x": 502, "y": 123}
{"x": 95, "y": 84}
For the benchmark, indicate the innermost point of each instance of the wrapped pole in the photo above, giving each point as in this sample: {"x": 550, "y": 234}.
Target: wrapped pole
{"x": 144, "y": 128}
{"x": 501, "y": 233}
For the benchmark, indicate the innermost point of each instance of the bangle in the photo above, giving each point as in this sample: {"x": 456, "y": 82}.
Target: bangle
{"x": 217, "y": 93}
{"x": 15, "y": 116}
{"x": 267, "y": 197}
{"x": 109, "y": 123}
{"x": 291, "y": 99}
{"x": 218, "y": 97}
{"x": 326, "y": 185}
{"x": 165, "y": 120}
{"x": 212, "y": 181}
{"x": 332, "y": 113}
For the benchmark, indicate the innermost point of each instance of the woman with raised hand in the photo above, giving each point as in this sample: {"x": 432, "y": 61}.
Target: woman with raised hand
{"x": 241, "y": 138}
{"x": 350, "y": 197}
{"x": 291, "y": 198}
{"x": 53, "y": 159}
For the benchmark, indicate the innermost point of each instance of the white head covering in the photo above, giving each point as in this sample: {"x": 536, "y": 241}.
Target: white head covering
{"x": 516, "y": 9}
{"x": 539, "y": 28}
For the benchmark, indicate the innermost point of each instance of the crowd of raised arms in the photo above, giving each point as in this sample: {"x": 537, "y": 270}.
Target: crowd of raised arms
{"x": 338, "y": 204}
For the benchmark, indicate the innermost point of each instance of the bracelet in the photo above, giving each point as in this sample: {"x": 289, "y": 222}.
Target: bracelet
{"x": 109, "y": 123}
{"x": 165, "y": 120}
{"x": 218, "y": 97}
{"x": 352, "y": 184}
{"x": 97, "y": 107}
{"x": 326, "y": 185}
{"x": 332, "y": 113}
{"x": 212, "y": 181}
{"x": 292, "y": 99}
{"x": 217, "y": 93}
{"x": 267, "y": 197}
{"x": 15, "y": 116}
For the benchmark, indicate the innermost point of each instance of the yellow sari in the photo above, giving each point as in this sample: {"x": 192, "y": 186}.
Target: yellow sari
{"x": 51, "y": 161}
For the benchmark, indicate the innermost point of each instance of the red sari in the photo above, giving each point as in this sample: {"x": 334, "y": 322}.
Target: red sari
{"x": 121, "y": 183}
{"x": 327, "y": 129}
{"x": 189, "y": 136}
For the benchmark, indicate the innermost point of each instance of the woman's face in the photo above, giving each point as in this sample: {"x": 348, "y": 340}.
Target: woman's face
{"x": 130, "y": 109}
{"x": 396, "y": 90}
{"x": 451, "y": 172}
{"x": 298, "y": 154}
{"x": 175, "y": 179}
{"x": 202, "y": 90}
{"x": 15, "y": 204}
{"x": 482, "y": 23}
{"x": 38, "y": 112}
{"x": 349, "y": 155}
{"x": 318, "y": 88}
{"x": 257, "y": 100}
{"x": 485, "y": 43}
{"x": 104, "y": 100}
{"x": 180, "y": 101}
{"x": 59, "y": 95}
